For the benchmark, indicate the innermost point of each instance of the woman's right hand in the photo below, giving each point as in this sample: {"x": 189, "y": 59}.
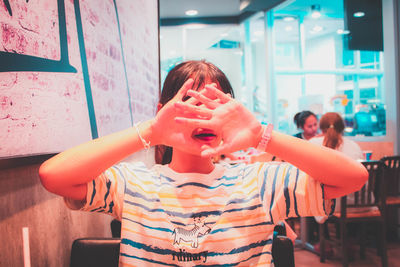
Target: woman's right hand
{"x": 165, "y": 129}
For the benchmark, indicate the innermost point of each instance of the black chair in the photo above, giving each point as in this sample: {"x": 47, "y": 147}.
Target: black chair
{"x": 115, "y": 228}
{"x": 282, "y": 248}
{"x": 392, "y": 188}
{"x": 104, "y": 252}
{"x": 370, "y": 195}
{"x": 96, "y": 252}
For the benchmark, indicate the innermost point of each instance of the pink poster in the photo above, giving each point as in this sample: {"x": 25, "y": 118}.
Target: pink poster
{"x": 72, "y": 70}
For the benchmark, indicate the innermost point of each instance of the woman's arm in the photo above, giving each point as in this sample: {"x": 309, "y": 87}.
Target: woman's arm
{"x": 68, "y": 173}
{"x": 340, "y": 174}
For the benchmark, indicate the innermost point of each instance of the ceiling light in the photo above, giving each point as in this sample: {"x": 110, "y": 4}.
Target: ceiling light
{"x": 191, "y": 12}
{"x": 224, "y": 34}
{"x": 288, "y": 18}
{"x": 341, "y": 31}
{"x": 315, "y": 11}
{"x": 358, "y": 14}
{"x": 288, "y": 28}
{"x": 243, "y": 4}
{"x": 194, "y": 26}
{"x": 316, "y": 29}
{"x": 259, "y": 33}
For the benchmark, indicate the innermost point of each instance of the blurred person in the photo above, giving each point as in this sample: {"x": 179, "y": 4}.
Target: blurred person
{"x": 332, "y": 127}
{"x": 306, "y": 121}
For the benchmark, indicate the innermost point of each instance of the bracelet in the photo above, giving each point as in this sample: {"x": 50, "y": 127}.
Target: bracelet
{"x": 265, "y": 138}
{"x": 146, "y": 145}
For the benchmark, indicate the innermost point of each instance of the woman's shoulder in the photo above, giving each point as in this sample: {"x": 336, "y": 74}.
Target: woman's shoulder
{"x": 347, "y": 141}
{"x": 317, "y": 140}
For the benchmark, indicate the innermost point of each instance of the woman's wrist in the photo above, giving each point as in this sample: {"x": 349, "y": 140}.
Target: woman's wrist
{"x": 146, "y": 133}
{"x": 265, "y": 137}
{"x": 258, "y": 135}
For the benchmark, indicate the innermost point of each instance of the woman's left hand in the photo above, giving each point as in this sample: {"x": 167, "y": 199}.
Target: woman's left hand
{"x": 235, "y": 124}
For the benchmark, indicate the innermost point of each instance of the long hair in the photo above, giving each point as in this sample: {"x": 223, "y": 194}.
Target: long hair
{"x": 332, "y": 126}
{"x": 300, "y": 118}
{"x": 199, "y": 70}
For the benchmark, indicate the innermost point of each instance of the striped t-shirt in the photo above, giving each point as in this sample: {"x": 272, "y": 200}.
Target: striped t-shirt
{"x": 222, "y": 218}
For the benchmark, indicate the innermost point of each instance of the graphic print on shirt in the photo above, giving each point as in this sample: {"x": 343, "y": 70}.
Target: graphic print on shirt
{"x": 192, "y": 235}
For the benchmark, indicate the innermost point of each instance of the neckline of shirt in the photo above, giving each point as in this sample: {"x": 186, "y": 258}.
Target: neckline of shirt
{"x": 180, "y": 178}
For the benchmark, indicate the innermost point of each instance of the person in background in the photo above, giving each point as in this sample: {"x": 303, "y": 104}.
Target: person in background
{"x": 332, "y": 127}
{"x": 306, "y": 121}
{"x": 188, "y": 210}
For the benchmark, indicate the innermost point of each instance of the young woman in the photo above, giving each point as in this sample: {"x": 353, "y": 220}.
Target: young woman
{"x": 191, "y": 211}
{"x": 332, "y": 127}
{"x": 306, "y": 121}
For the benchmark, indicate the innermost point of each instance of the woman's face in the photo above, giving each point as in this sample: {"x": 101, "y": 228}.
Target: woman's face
{"x": 310, "y": 127}
{"x": 206, "y": 136}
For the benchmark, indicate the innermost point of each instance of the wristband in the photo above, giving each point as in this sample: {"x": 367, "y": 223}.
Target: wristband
{"x": 265, "y": 138}
{"x": 146, "y": 145}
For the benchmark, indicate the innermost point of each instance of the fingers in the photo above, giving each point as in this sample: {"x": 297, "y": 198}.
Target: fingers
{"x": 224, "y": 98}
{"x": 211, "y": 104}
{"x": 194, "y": 101}
{"x": 193, "y": 110}
{"x": 211, "y": 152}
{"x": 193, "y": 123}
{"x": 183, "y": 91}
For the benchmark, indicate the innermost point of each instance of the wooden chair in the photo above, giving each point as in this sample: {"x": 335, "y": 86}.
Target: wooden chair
{"x": 392, "y": 182}
{"x": 361, "y": 213}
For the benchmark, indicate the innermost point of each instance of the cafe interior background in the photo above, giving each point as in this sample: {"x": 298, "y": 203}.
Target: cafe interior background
{"x": 76, "y": 70}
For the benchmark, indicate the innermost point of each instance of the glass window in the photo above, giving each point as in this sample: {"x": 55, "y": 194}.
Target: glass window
{"x": 314, "y": 70}
{"x": 286, "y": 60}
{"x": 219, "y": 44}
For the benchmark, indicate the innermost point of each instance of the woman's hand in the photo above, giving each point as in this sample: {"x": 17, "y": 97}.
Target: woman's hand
{"x": 167, "y": 131}
{"x": 236, "y": 125}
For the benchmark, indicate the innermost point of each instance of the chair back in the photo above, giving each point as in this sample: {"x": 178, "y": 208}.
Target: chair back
{"x": 392, "y": 175}
{"x": 371, "y": 194}
{"x": 96, "y": 252}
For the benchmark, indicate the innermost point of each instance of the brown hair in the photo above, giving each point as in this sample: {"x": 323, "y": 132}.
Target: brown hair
{"x": 200, "y": 70}
{"x": 332, "y": 125}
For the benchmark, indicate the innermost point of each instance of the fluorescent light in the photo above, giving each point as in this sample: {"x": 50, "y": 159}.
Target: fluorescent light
{"x": 288, "y": 18}
{"x": 288, "y": 28}
{"x": 315, "y": 14}
{"x": 315, "y": 11}
{"x": 259, "y": 33}
{"x": 191, "y": 12}
{"x": 358, "y": 14}
{"x": 224, "y": 34}
{"x": 195, "y": 26}
{"x": 243, "y": 4}
{"x": 341, "y": 31}
{"x": 316, "y": 29}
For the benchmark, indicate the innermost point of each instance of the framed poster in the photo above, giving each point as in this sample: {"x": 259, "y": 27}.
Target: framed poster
{"x": 71, "y": 71}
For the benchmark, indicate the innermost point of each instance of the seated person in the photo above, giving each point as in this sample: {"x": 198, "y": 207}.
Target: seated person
{"x": 332, "y": 127}
{"x": 306, "y": 121}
